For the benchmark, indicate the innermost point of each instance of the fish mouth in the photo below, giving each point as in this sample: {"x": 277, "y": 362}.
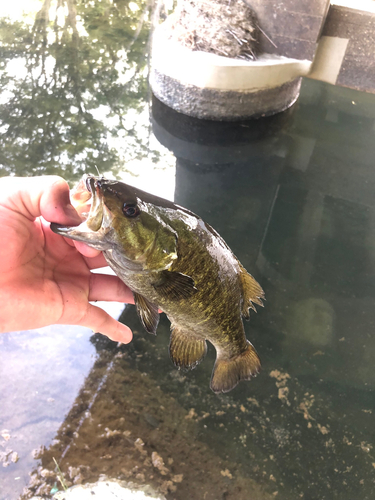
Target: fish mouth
{"x": 87, "y": 199}
{"x": 95, "y": 217}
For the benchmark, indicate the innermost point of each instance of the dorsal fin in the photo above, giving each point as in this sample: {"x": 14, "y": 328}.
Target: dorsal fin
{"x": 252, "y": 292}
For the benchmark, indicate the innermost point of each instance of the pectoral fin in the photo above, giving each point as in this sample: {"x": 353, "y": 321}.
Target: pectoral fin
{"x": 147, "y": 312}
{"x": 186, "y": 351}
{"x": 174, "y": 286}
{"x": 228, "y": 372}
{"x": 252, "y": 292}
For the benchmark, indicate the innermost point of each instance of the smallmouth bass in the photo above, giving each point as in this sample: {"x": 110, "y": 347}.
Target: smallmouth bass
{"x": 172, "y": 260}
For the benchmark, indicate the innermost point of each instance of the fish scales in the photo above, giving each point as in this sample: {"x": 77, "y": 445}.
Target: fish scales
{"x": 214, "y": 308}
{"x": 172, "y": 260}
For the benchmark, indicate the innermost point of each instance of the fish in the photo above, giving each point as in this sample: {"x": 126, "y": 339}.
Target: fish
{"x": 175, "y": 262}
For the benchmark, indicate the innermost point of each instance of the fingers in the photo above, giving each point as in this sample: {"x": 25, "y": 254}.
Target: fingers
{"x": 46, "y": 196}
{"x": 55, "y": 203}
{"x": 95, "y": 262}
{"x": 89, "y": 252}
{"x": 109, "y": 288}
{"x": 99, "y": 321}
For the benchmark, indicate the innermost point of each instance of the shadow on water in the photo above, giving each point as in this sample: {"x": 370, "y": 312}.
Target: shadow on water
{"x": 293, "y": 197}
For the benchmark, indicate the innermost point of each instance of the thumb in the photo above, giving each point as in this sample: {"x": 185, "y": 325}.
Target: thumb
{"x": 46, "y": 196}
{"x": 99, "y": 321}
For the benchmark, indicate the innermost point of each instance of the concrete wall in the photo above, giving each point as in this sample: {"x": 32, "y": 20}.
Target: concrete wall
{"x": 340, "y": 40}
{"x": 290, "y": 28}
{"x": 346, "y": 50}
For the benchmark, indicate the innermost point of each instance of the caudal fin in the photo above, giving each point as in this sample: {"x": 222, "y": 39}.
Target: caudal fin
{"x": 227, "y": 373}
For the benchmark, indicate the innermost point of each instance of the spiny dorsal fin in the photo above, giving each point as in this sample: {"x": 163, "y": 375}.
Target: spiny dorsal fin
{"x": 228, "y": 372}
{"x": 186, "y": 351}
{"x": 174, "y": 286}
{"x": 148, "y": 313}
{"x": 252, "y": 292}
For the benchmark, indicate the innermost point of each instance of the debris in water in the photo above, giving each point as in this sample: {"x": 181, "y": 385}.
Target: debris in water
{"x": 226, "y": 473}
{"x": 158, "y": 463}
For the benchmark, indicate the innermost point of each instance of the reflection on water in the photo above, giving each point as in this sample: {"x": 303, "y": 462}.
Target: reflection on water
{"x": 73, "y": 89}
{"x": 293, "y": 197}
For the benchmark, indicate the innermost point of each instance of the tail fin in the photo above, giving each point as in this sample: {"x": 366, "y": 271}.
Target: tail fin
{"x": 227, "y": 373}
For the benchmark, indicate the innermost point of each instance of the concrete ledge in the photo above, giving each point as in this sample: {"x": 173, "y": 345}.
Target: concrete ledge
{"x": 206, "y": 70}
{"x": 213, "y": 104}
{"x": 210, "y": 86}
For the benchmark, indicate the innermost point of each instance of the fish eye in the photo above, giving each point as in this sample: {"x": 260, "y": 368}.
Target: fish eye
{"x": 130, "y": 210}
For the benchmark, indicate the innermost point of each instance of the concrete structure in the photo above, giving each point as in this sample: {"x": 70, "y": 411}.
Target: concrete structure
{"x": 312, "y": 38}
{"x": 345, "y": 54}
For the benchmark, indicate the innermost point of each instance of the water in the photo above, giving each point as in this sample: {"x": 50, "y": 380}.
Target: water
{"x": 293, "y": 197}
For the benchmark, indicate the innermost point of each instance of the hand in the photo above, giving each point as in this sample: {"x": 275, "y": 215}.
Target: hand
{"x": 44, "y": 278}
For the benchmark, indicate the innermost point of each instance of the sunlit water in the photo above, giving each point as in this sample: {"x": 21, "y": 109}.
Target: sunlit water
{"x": 293, "y": 196}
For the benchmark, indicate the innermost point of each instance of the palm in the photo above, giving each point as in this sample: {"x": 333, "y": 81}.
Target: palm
{"x": 47, "y": 275}
{"x": 49, "y": 280}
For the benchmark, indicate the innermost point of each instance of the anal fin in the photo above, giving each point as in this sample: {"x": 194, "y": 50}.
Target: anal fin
{"x": 228, "y": 372}
{"x": 148, "y": 313}
{"x": 186, "y": 351}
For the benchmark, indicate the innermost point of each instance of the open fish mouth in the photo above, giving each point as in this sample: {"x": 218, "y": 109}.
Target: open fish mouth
{"x": 87, "y": 199}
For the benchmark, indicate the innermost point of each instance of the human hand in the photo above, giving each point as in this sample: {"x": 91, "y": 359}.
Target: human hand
{"x": 44, "y": 278}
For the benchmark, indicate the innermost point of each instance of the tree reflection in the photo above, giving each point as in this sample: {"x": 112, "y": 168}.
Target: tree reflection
{"x": 70, "y": 82}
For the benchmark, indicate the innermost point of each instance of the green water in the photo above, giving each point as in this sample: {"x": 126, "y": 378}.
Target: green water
{"x": 293, "y": 197}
